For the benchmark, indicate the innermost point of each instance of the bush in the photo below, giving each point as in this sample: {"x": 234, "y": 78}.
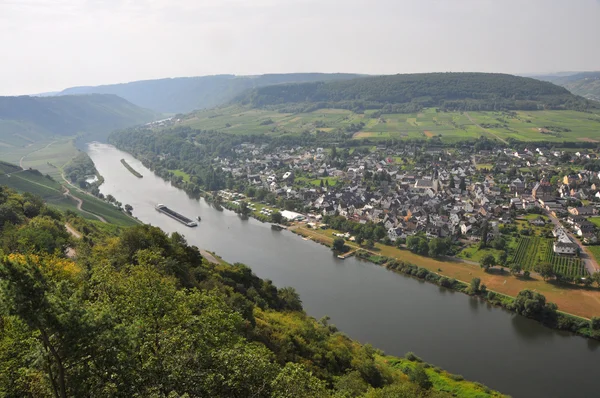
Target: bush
{"x": 412, "y": 357}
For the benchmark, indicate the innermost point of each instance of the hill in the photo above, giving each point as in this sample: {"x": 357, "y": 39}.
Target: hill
{"x": 27, "y": 119}
{"x": 412, "y": 92}
{"x": 585, "y": 84}
{"x": 185, "y": 94}
{"x": 53, "y": 193}
{"x": 139, "y": 313}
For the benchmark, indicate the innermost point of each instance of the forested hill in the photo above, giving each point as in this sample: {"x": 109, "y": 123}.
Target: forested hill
{"x": 185, "y": 94}
{"x": 411, "y": 92}
{"x": 139, "y": 313}
{"x": 69, "y": 115}
{"x": 586, "y": 84}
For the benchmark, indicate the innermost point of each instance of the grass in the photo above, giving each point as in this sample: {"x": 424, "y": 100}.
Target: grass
{"x": 580, "y": 301}
{"x": 53, "y": 193}
{"x": 180, "y": 173}
{"x": 595, "y": 221}
{"x": 444, "y": 381}
{"x": 595, "y": 250}
{"x": 48, "y": 156}
{"x": 299, "y": 181}
{"x": 109, "y": 212}
{"x": 449, "y": 126}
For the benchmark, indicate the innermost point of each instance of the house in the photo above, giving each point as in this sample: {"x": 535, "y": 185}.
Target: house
{"x": 565, "y": 248}
{"x": 582, "y": 211}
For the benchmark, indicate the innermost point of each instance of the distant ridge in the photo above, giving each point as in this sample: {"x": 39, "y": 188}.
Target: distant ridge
{"x": 412, "y": 92}
{"x": 185, "y": 94}
{"x": 586, "y": 84}
{"x": 36, "y": 117}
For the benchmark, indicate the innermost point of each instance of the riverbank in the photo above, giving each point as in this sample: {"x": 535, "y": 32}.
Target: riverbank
{"x": 131, "y": 169}
{"x": 463, "y": 273}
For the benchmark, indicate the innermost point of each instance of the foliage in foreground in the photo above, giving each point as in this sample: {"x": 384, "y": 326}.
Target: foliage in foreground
{"x": 141, "y": 314}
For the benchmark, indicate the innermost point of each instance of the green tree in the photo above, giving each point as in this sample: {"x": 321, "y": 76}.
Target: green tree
{"x": 294, "y": 381}
{"x": 474, "y": 286}
{"x": 487, "y": 262}
{"x": 462, "y": 185}
{"x": 338, "y": 244}
{"x": 419, "y": 376}
{"x": 452, "y": 183}
{"x": 515, "y": 269}
{"x": 546, "y": 270}
{"x": 351, "y": 384}
{"x": 276, "y": 217}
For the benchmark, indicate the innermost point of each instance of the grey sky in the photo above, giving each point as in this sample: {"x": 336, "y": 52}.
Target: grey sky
{"x": 53, "y": 44}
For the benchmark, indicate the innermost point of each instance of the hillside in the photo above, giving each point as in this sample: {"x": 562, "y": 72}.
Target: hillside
{"x": 24, "y": 120}
{"x": 412, "y": 92}
{"x": 585, "y": 84}
{"x": 53, "y": 193}
{"x": 139, "y": 313}
{"x": 185, "y": 94}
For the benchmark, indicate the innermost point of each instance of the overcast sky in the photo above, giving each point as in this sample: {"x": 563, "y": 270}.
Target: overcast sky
{"x": 48, "y": 45}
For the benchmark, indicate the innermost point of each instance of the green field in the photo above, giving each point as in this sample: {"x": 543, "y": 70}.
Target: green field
{"x": 532, "y": 251}
{"x": 47, "y": 156}
{"x": 53, "y": 193}
{"x": 450, "y": 126}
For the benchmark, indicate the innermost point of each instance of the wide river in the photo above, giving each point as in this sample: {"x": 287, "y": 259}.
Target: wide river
{"x": 395, "y": 313}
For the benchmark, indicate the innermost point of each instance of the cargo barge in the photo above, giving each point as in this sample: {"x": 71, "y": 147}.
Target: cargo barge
{"x": 174, "y": 215}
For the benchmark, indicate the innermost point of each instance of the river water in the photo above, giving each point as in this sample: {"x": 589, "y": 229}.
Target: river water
{"x": 393, "y": 312}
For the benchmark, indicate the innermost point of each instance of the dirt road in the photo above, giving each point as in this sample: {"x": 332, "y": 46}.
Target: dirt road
{"x": 484, "y": 129}
{"x": 23, "y": 157}
{"x": 209, "y": 257}
{"x": 72, "y": 231}
{"x": 80, "y": 203}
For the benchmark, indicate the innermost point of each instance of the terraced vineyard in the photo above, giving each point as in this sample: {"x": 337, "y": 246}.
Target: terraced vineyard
{"x": 534, "y": 250}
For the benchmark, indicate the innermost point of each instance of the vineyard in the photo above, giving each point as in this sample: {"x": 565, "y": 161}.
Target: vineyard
{"x": 534, "y": 250}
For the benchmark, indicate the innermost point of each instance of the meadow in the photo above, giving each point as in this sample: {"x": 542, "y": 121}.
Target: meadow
{"x": 556, "y": 126}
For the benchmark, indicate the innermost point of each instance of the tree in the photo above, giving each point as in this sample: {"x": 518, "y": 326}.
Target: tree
{"x": 437, "y": 247}
{"x": 487, "y": 261}
{"x": 359, "y": 239}
{"x": 110, "y": 198}
{"x": 419, "y": 376}
{"x": 276, "y": 217}
{"x": 474, "y": 286}
{"x": 596, "y": 278}
{"x": 515, "y": 269}
{"x": 128, "y": 209}
{"x": 595, "y": 323}
{"x": 462, "y": 185}
{"x": 294, "y": 381}
{"x": 546, "y": 270}
{"x": 452, "y": 183}
{"x": 503, "y": 258}
{"x": 338, "y": 244}
{"x": 244, "y": 208}
{"x": 370, "y": 243}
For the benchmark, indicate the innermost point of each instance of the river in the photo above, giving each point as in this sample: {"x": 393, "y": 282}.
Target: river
{"x": 395, "y": 313}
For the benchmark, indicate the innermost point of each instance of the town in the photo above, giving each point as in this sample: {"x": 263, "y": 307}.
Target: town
{"x": 522, "y": 207}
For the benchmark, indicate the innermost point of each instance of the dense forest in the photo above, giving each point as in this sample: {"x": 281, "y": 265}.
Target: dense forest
{"x": 69, "y": 115}
{"x": 412, "y": 92}
{"x": 185, "y": 94}
{"x": 139, "y": 313}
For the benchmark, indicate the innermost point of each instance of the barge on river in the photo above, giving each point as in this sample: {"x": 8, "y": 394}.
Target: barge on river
{"x": 176, "y": 216}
